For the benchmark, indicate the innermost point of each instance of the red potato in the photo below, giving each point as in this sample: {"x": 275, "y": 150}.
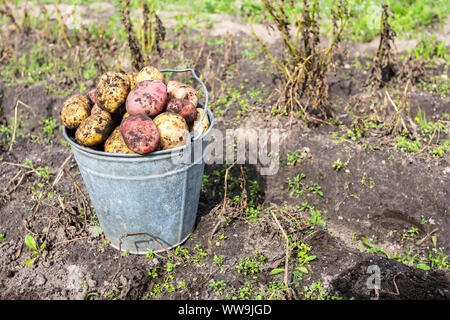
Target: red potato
{"x": 184, "y": 108}
{"x": 148, "y": 97}
{"x": 140, "y": 133}
{"x": 178, "y": 90}
{"x": 91, "y": 96}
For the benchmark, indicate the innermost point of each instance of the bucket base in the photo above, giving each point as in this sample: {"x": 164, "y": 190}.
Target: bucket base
{"x": 154, "y": 251}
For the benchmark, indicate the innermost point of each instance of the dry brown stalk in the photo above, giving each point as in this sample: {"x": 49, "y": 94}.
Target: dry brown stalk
{"x": 384, "y": 66}
{"x": 286, "y": 261}
{"x": 13, "y": 138}
{"x": 6, "y": 10}
{"x": 136, "y": 54}
{"x": 224, "y": 206}
{"x": 60, "y": 24}
{"x": 150, "y": 34}
{"x": 303, "y": 64}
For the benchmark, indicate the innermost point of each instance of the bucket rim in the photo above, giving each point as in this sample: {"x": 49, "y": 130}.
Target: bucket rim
{"x": 154, "y": 154}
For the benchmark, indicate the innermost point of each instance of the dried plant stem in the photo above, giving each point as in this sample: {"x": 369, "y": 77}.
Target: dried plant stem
{"x": 286, "y": 260}
{"x": 7, "y": 11}
{"x": 263, "y": 46}
{"x": 60, "y": 23}
{"x": 13, "y": 138}
{"x": 224, "y": 206}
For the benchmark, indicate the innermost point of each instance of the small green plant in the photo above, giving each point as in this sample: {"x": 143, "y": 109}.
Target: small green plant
{"x": 410, "y": 233}
{"x": 102, "y": 247}
{"x": 294, "y": 157}
{"x": 295, "y": 185}
{"x": 437, "y": 259}
{"x": 441, "y": 150}
{"x": 37, "y": 252}
{"x": 50, "y": 125}
{"x": 2, "y": 237}
{"x": 316, "y": 217}
{"x": 372, "y": 248}
{"x": 153, "y": 272}
{"x": 251, "y": 265}
{"x": 180, "y": 250}
{"x": 405, "y": 145}
{"x": 170, "y": 266}
{"x": 337, "y": 165}
{"x": 315, "y": 188}
{"x": 64, "y": 142}
{"x": 90, "y": 294}
{"x": 199, "y": 254}
{"x": 110, "y": 294}
{"x": 218, "y": 286}
{"x": 317, "y": 292}
{"x": 218, "y": 260}
{"x": 150, "y": 254}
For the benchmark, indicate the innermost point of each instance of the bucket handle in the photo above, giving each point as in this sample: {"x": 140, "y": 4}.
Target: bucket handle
{"x": 205, "y": 105}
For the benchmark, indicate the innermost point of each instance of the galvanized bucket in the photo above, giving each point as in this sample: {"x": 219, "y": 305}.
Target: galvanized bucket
{"x": 153, "y": 195}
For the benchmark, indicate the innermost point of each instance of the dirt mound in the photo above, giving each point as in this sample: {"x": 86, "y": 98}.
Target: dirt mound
{"x": 397, "y": 281}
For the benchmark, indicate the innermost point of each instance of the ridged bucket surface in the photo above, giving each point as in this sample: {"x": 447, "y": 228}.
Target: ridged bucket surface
{"x": 153, "y": 194}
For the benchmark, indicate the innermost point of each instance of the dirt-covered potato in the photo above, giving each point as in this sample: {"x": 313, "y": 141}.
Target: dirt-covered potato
{"x": 115, "y": 143}
{"x": 95, "y": 129}
{"x": 116, "y": 117}
{"x": 149, "y": 73}
{"x": 173, "y": 130}
{"x": 184, "y": 108}
{"x": 132, "y": 79}
{"x": 96, "y": 109}
{"x": 148, "y": 97}
{"x": 112, "y": 90}
{"x": 140, "y": 133}
{"x": 178, "y": 90}
{"x": 204, "y": 125}
{"x": 75, "y": 110}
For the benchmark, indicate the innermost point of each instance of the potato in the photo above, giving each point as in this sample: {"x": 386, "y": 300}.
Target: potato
{"x": 116, "y": 117}
{"x": 95, "y": 129}
{"x": 96, "y": 109}
{"x": 132, "y": 79}
{"x": 140, "y": 133}
{"x": 205, "y": 123}
{"x": 184, "y": 108}
{"x": 173, "y": 130}
{"x": 75, "y": 110}
{"x": 115, "y": 143}
{"x": 112, "y": 90}
{"x": 91, "y": 96}
{"x": 178, "y": 90}
{"x": 149, "y": 73}
{"x": 148, "y": 97}
{"x": 126, "y": 115}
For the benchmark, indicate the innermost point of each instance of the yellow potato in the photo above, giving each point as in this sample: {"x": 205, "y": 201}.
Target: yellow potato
{"x": 96, "y": 109}
{"x": 204, "y": 125}
{"x": 112, "y": 91}
{"x": 95, "y": 129}
{"x": 126, "y": 115}
{"x": 132, "y": 79}
{"x": 115, "y": 143}
{"x": 173, "y": 130}
{"x": 149, "y": 73}
{"x": 75, "y": 110}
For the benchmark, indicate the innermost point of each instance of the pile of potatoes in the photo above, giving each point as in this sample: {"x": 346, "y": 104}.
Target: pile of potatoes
{"x": 134, "y": 113}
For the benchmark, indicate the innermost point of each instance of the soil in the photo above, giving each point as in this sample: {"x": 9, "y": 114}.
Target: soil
{"x": 378, "y": 199}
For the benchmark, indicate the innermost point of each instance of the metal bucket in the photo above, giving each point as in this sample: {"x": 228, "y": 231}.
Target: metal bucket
{"x": 148, "y": 194}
